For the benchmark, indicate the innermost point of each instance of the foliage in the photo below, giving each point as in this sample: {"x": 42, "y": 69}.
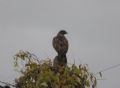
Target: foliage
{"x": 41, "y": 74}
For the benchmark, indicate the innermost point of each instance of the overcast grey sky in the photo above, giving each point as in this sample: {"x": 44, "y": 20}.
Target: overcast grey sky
{"x": 93, "y": 27}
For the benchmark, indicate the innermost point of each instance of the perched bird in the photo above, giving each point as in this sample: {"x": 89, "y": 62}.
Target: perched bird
{"x": 60, "y": 44}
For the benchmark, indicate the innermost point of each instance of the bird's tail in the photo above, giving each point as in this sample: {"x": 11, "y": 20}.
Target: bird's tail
{"x": 62, "y": 58}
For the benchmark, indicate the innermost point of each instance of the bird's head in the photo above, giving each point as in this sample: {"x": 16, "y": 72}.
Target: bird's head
{"x": 62, "y": 32}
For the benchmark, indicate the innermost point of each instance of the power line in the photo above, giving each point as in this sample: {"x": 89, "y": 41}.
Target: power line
{"x": 109, "y": 68}
{"x": 7, "y": 84}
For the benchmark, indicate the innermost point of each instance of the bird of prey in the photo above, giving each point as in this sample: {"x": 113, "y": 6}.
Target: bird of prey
{"x": 60, "y": 43}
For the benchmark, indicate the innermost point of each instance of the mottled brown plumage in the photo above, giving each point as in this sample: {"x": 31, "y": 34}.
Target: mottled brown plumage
{"x": 60, "y": 43}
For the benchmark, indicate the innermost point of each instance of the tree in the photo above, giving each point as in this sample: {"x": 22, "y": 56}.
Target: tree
{"x": 42, "y": 74}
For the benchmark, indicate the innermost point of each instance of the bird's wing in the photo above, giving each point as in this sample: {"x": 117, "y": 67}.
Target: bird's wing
{"x": 60, "y": 44}
{"x": 56, "y": 43}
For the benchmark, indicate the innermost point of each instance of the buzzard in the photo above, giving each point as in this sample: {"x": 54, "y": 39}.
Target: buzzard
{"x": 60, "y": 43}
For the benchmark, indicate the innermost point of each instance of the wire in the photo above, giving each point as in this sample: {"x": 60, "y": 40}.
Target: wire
{"x": 7, "y": 84}
{"x": 109, "y": 68}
